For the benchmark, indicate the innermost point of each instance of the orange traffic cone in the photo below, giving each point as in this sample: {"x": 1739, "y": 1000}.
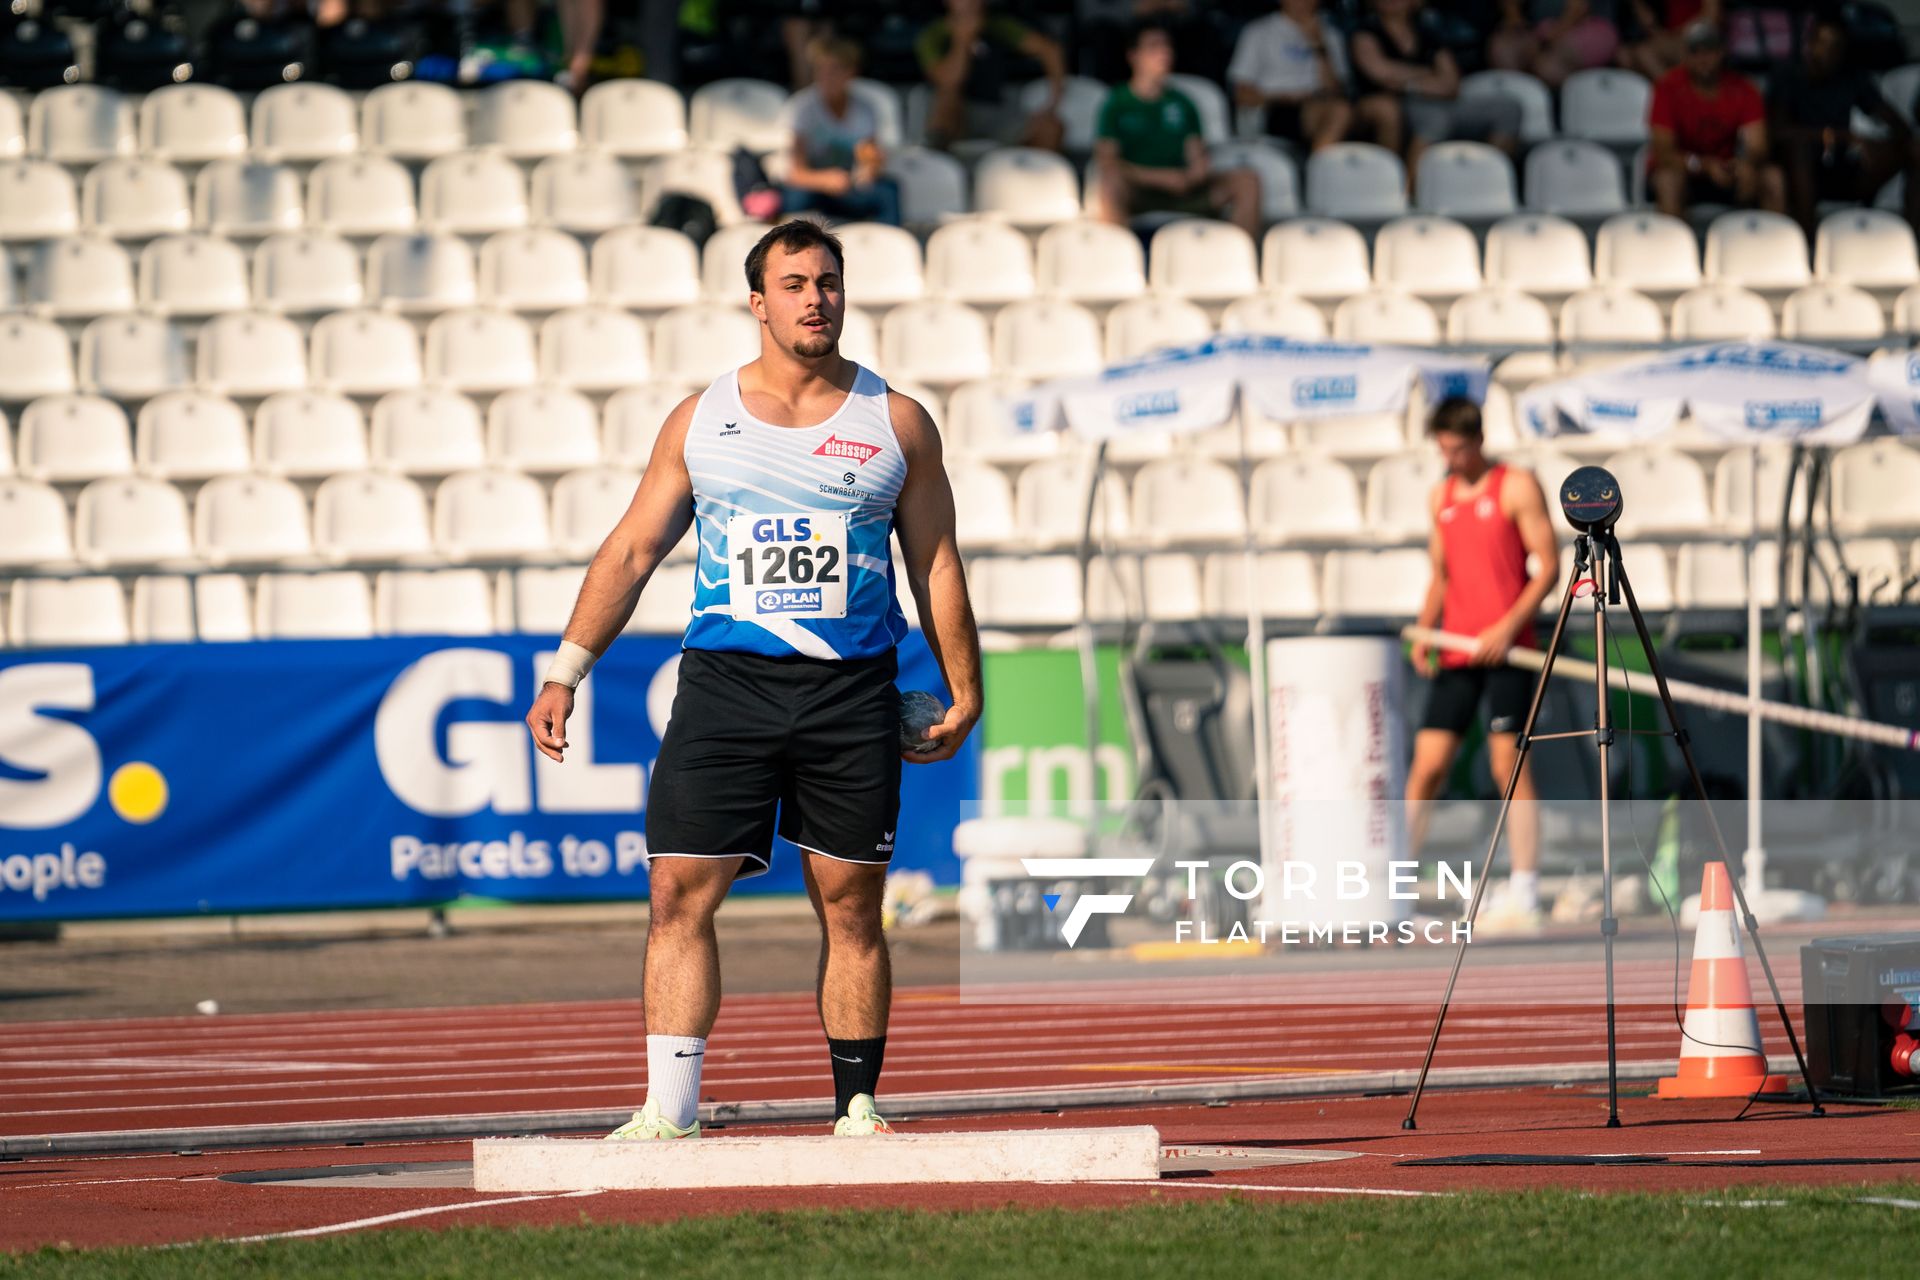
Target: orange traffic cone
{"x": 1720, "y": 1054}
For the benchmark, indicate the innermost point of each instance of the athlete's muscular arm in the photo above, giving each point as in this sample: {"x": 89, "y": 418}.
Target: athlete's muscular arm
{"x": 1436, "y": 584}
{"x": 923, "y": 517}
{"x": 658, "y": 517}
{"x": 1526, "y": 505}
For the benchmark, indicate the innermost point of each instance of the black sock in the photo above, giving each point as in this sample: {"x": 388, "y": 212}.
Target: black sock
{"x": 856, "y": 1069}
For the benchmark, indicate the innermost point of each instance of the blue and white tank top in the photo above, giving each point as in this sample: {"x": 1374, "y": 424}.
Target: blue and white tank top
{"x": 794, "y": 525}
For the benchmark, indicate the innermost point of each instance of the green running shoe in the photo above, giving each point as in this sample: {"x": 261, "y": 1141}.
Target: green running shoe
{"x": 649, "y": 1123}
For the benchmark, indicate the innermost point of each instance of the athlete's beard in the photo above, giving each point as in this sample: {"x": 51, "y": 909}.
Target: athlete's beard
{"x": 811, "y": 346}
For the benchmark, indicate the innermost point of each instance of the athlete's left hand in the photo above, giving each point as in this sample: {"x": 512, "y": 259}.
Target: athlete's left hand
{"x": 1492, "y": 648}
{"x": 947, "y": 736}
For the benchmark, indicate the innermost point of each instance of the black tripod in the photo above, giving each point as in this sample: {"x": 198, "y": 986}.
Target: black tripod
{"x": 1597, "y": 563}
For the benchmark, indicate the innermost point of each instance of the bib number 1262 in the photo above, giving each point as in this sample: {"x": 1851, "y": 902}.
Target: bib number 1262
{"x": 791, "y": 566}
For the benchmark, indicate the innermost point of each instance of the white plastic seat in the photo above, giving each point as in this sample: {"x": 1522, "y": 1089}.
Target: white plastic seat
{"x": 525, "y": 119}
{"x": 360, "y": 195}
{"x": 543, "y": 430}
{"x": 413, "y": 120}
{"x": 1605, "y": 104}
{"x": 80, "y": 124}
{"x": 251, "y": 354}
{"x": 1026, "y": 187}
{"x": 1277, "y": 315}
{"x": 587, "y": 504}
{"x": 1044, "y": 338}
{"x": 1187, "y": 499}
{"x": 1466, "y": 180}
{"x": 130, "y": 520}
{"x": 631, "y": 420}
{"x": 1376, "y": 584}
{"x": 1050, "y": 503}
{"x": 312, "y": 606}
{"x": 977, "y": 424}
{"x": 37, "y": 201}
{"x": 1286, "y": 585}
{"x": 432, "y": 602}
{"x": 1505, "y": 319}
{"x": 192, "y": 124}
{"x": 886, "y": 267}
{"x": 979, "y": 261}
{"x": 541, "y": 599}
{"x": 363, "y": 353}
{"x": 1147, "y": 324}
{"x": 1202, "y": 259}
{"x": 1532, "y": 95}
{"x": 1081, "y": 98}
{"x": 533, "y": 269}
{"x": 480, "y": 350}
{"x": 634, "y": 119}
{"x": 13, "y": 129}
{"x": 246, "y": 198}
{"x": 172, "y": 609}
{"x": 191, "y": 275}
{"x": 1646, "y": 251}
{"x": 1426, "y": 256}
{"x": 1832, "y": 313}
{"x": 33, "y": 524}
{"x": 933, "y": 185}
{"x": 1574, "y": 178}
{"x": 308, "y": 435}
{"x": 370, "y": 516}
{"x": 63, "y": 439}
{"x": 1031, "y": 591}
{"x": 1384, "y": 315}
{"x": 667, "y": 603}
{"x": 1669, "y": 491}
{"x": 303, "y": 122}
{"x": 251, "y": 519}
{"x": 1216, "y": 114}
{"x": 76, "y": 277}
{"x": 424, "y": 272}
{"x": 1396, "y": 495}
{"x": 982, "y": 504}
{"x": 1544, "y": 256}
{"x": 427, "y": 432}
{"x": 936, "y": 342}
{"x": 645, "y": 269}
{"x": 860, "y": 337}
{"x": 1873, "y": 485}
{"x": 52, "y": 612}
{"x": 1356, "y": 180}
{"x": 697, "y": 343}
{"x": 1866, "y": 248}
{"x": 1305, "y": 496}
{"x": 1279, "y": 179}
{"x": 1318, "y": 258}
{"x": 698, "y": 171}
{"x": 738, "y": 112}
{"x": 135, "y": 199}
{"x": 594, "y": 349}
{"x": 1714, "y": 575}
{"x": 132, "y": 357}
{"x": 1611, "y": 315}
{"x": 584, "y": 192}
{"x": 35, "y": 359}
{"x": 301, "y": 272}
{"x": 1906, "y": 310}
{"x": 473, "y": 193}
{"x": 1733, "y": 485}
{"x": 723, "y": 276}
{"x": 189, "y": 435}
{"x": 1090, "y": 262}
{"x": 1721, "y": 313}
{"x": 1762, "y": 251}
{"x": 490, "y": 515}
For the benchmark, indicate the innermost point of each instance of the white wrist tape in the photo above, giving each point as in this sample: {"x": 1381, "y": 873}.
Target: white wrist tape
{"x": 570, "y": 664}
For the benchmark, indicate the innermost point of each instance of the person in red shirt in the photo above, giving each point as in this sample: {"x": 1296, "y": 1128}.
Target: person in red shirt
{"x": 1488, "y": 519}
{"x": 1709, "y": 134}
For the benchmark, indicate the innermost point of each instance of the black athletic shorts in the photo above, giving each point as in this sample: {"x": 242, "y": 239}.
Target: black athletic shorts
{"x": 1456, "y": 694}
{"x": 815, "y": 740}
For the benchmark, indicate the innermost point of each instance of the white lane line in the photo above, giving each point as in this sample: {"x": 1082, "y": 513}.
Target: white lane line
{"x": 1616, "y": 1155}
{"x": 360, "y": 1223}
{"x": 1891, "y": 1202}
{"x": 1203, "y": 1184}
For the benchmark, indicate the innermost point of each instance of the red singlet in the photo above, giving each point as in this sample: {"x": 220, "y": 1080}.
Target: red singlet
{"x": 1486, "y": 564}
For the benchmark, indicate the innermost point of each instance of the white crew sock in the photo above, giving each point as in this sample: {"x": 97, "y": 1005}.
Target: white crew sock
{"x": 673, "y": 1076}
{"x": 1525, "y": 887}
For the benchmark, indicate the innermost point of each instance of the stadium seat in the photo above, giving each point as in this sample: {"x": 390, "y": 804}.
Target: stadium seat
{"x": 1146, "y": 324}
{"x": 6, "y": 447}
{"x": 1714, "y": 575}
{"x": 312, "y": 606}
{"x": 533, "y": 269}
{"x": 1873, "y": 485}
{"x": 1867, "y": 248}
{"x": 64, "y": 439}
{"x": 1356, "y": 180}
{"x": 1276, "y": 315}
{"x": 13, "y": 129}
{"x": 1574, "y": 178}
{"x": 723, "y": 259}
{"x": 933, "y": 185}
{"x": 51, "y": 612}
{"x": 1721, "y": 313}
{"x": 525, "y": 119}
{"x": 1541, "y": 255}
{"x": 1505, "y": 319}
{"x": 667, "y": 603}
{"x": 644, "y": 269}
{"x": 1899, "y": 87}
{"x": 1466, "y": 180}
{"x": 1279, "y": 179}
{"x": 35, "y": 359}
{"x": 1050, "y": 503}
{"x": 698, "y": 171}
{"x": 246, "y": 199}
{"x": 133, "y": 199}
{"x": 308, "y": 435}
{"x": 304, "y": 122}
{"x": 936, "y": 342}
{"x": 413, "y": 120}
{"x": 739, "y": 112}
{"x": 33, "y": 524}
{"x": 490, "y": 515}
{"x": 1090, "y": 262}
{"x": 1202, "y": 259}
{"x": 1043, "y": 338}
{"x": 251, "y": 519}
{"x": 1216, "y": 113}
{"x": 363, "y": 353}
{"x": 539, "y": 600}
{"x": 78, "y": 124}
{"x": 1831, "y": 313}
{"x": 37, "y": 201}
{"x": 1652, "y": 577}
{"x": 473, "y": 193}
{"x": 860, "y": 337}
{"x": 630, "y": 423}
{"x": 423, "y": 272}
{"x": 633, "y": 119}
{"x": 172, "y": 609}
{"x": 360, "y": 195}
{"x": 696, "y": 344}
{"x": 587, "y": 504}
{"x": 427, "y": 432}
{"x": 1305, "y": 495}
{"x": 192, "y": 124}
{"x": 191, "y": 275}
{"x": 983, "y": 505}
{"x": 1533, "y": 96}
{"x": 1316, "y": 258}
{"x": 1906, "y": 310}
{"x": 979, "y": 261}
{"x": 977, "y": 424}
{"x": 1649, "y": 252}
{"x": 364, "y": 517}
{"x": 130, "y": 520}
{"x": 594, "y": 349}
{"x": 1032, "y": 591}
{"x": 1286, "y": 585}
{"x": 1187, "y": 499}
{"x": 432, "y": 602}
{"x": 884, "y": 264}
{"x": 1733, "y": 479}
{"x": 251, "y": 354}
{"x": 1376, "y": 584}
{"x": 1026, "y": 187}
{"x": 1396, "y": 495}
{"x": 1605, "y": 105}
{"x": 190, "y": 435}
{"x": 1385, "y": 315}
{"x": 301, "y": 272}
{"x": 1604, "y": 315}
{"x": 1670, "y": 491}
{"x": 542, "y": 430}
{"x": 1427, "y": 257}
{"x": 1762, "y": 251}
{"x": 1081, "y": 98}
{"x": 132, "y": 357}
{"x": 585, "y": 193}
{"x": 76, "y": 277}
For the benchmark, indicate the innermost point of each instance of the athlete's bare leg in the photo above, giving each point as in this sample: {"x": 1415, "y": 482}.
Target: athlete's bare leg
{"x": 682, "y": 971}
{"x": 1523, "y": 823}
{"x": 1433, "y": 752}
{"x": 856, "y": 973}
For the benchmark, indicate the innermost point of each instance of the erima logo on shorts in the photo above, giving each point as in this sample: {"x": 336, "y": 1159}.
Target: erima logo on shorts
{"x": 835, "y": 447}
{"x": 789, "y": 600}
{"x": 1087, "y": 905}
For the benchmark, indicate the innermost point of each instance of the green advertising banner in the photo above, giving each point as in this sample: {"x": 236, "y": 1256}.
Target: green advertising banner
{"x": 1034, "y": 743}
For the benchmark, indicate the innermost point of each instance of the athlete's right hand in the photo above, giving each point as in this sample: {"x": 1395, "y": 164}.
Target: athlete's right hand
{"x": 1422, "y": 657}
{"x": 548, "y": 719}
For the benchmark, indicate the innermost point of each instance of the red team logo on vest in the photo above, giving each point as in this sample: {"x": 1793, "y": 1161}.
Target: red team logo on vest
{"x": 835, "y": 447}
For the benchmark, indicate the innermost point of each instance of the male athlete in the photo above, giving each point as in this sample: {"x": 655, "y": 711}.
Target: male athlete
{"x": 794, "y": 468}
{"x": 1488, "y": 517}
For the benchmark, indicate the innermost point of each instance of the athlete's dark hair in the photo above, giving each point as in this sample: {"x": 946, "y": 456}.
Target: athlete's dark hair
{"x": 1456, "y": 416}
{"x": 1144, "y": 27}
{"x": 793, "y": 236}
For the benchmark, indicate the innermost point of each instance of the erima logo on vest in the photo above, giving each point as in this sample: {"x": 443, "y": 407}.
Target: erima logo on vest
{"x": 835, "y": 447}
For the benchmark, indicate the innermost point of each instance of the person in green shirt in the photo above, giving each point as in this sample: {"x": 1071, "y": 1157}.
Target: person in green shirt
{"x": 968, "y": 56}
{"x": 1149, "y": 154}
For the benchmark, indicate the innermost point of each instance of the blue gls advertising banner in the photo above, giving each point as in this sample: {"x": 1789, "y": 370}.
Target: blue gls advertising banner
{"x": 294, "y": 775}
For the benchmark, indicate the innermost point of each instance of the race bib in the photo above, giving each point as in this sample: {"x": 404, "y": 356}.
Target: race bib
{"x": 792, "y": 565}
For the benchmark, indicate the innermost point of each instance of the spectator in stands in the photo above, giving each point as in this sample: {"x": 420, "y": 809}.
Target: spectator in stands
{"x": 1197, "y": 30}
{"x": 1554, "y": 38}
{"x": 1708, "y": 130}
{"x": 1150, "y": 153}
{"x": 1293, "y": 65}
{"x": 1810, "y": 120}
{"x": 1401, "y": 72}
{"x": 1655, "y": 32}
{"x": 968, "y": 57}
{"x": 835, "y": 162}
